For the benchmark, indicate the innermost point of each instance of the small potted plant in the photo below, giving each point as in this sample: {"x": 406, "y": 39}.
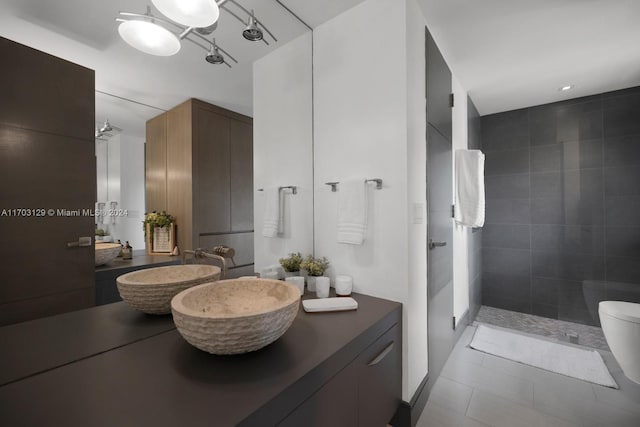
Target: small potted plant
{"x": 102, "y": 235}
{"x": 291, "y": 264}
{"x": 161, "y": 223}
{"x": 315, "y": 268}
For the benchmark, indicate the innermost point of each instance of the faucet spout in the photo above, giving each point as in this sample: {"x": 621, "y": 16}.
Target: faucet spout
{"x": 200, "y": 253}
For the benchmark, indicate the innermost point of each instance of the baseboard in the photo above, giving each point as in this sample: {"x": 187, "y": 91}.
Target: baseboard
{"x": 460, "y": 327}
{"x": 408, "y": 413}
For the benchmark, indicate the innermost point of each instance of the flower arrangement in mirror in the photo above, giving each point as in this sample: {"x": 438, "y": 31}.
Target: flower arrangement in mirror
{"x": 291, "y": 264}
{"x": 163, "y": 224}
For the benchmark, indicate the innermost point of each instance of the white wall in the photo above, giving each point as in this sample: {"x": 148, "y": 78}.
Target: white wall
{"x": 120, "y": 178}
{"x": 282, "y": 146}
{"x": 460, "y": 234}
{"x": 132, "y": 190}
{"x": 369, "y": 121}
{"x": 416, "y": 305}
{"x": 360, "y": 122}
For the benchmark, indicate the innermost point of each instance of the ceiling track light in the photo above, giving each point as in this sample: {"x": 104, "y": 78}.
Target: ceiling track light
{"x": 191, "y": 20}
{"x": 253, "y": 27}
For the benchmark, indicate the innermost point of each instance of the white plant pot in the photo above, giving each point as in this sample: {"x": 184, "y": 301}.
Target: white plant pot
{"x": 311, "y": 283}
{"x": 297, "y": 281}
{"x": 323, "y": 285}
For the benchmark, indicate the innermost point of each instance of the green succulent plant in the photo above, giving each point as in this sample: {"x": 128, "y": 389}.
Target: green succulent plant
{"x": 315, "y": 266}
{"x": 292, "y": 262}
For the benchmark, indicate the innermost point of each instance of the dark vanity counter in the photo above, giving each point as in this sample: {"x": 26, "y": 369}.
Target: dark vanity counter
{"x": 113, "y": 366}
{"x": 106, "y": 291}
{"x": 140, "y": 258}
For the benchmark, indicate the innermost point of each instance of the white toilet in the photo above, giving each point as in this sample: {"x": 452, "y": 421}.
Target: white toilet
{"x": 621, "y": 326}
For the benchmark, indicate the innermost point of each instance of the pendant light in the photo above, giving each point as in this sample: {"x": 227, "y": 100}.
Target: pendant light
{"x": 149, "y": 37}
{"x": 192, "y": 13}
{"x": 190, "y": 20}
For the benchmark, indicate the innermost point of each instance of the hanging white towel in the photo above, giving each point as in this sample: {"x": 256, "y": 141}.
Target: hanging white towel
{"x": 272, "y": 224}
{"x": 352, "y": 211}
{"x": 470, "y": 202}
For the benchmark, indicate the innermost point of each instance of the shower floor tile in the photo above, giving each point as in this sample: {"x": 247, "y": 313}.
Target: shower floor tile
{"x": 589, "y": 336}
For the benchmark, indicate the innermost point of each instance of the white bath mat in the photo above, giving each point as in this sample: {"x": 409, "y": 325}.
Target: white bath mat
{"x": 586, "y": 365}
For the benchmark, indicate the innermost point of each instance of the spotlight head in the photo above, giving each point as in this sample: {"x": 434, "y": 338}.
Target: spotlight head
{"x": 214, "y": 56}
{"x": 252, "y": 32}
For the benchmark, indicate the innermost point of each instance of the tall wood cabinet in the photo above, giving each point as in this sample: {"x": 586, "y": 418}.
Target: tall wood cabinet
{"x": 199, "y": 168}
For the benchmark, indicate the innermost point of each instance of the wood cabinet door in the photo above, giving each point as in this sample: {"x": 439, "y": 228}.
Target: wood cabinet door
{"x": 380, "y": 379}
{"x": 214, "y": 178}
{"x": 241, "y": 169}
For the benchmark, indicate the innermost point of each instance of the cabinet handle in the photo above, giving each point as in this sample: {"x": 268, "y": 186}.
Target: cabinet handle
{"x": 382, "y": 355}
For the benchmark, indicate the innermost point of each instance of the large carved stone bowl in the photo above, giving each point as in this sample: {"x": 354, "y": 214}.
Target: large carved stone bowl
{"x": 151, "y": 290}
{"x": 106, "y": 252}
{"x": 235, "y": 316}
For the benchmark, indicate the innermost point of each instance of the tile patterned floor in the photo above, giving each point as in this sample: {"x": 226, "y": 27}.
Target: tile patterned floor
{"x": 589, "y": 336}
{"x": 481, "y": 390}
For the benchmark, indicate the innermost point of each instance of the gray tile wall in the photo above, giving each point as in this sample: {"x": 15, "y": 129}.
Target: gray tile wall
{"x": 563, "y": 206}
{"x": 475, "y": 235}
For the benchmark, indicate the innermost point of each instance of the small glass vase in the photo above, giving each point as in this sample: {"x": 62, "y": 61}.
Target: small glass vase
{"x": 291, "y": 273}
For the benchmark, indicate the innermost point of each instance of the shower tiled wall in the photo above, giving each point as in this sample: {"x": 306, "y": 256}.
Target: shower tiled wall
{"x": 563, "y": 206}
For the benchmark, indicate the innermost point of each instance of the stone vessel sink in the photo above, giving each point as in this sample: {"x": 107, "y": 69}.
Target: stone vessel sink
{"x": 106, "y": 252}
{"x": 151, "y": 290}
{"x": 235, "y": 316}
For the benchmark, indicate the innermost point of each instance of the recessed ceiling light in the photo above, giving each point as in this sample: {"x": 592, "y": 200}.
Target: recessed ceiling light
{"x": 565, "y": 88}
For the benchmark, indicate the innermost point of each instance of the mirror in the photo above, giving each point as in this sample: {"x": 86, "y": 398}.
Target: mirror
{"x": 120, "y": 190}
{"x": 147, "y": 82}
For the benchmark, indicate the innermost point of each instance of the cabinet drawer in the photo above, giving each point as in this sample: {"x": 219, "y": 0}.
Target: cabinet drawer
{"x": 334, "y": 405}
{"x": 380, "y": 379}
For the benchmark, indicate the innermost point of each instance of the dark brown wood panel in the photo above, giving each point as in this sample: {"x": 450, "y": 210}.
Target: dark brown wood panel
{"x": 380, "y": 379}
{"x": 45, "y": 93}
{"x": 214, "y": 186}
{"x": 334, "y": 405}
{"x": 47, "y": 157}
{"x": 179, "y": 176}
{"x": 48, "y": 305}
{"x": 156, "y": 164}
{"x": 241, "y": 171}
{"x": 54, "y": 174}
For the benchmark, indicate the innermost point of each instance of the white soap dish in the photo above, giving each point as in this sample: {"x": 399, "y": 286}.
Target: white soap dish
{"x": 329, "y": 304}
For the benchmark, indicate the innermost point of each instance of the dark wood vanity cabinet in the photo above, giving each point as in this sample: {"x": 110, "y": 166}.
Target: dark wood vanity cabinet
{"x": 366, "y": 393}
{"x": 114, "y": 366}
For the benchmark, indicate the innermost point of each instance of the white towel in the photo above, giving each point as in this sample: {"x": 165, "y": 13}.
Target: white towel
{"x": 272, "y": 224}
{"x": 352, "y": 211}
{"x": 470, "y": 203}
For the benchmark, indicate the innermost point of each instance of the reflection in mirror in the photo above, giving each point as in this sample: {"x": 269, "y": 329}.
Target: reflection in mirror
{"x": 120, "y": 191}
